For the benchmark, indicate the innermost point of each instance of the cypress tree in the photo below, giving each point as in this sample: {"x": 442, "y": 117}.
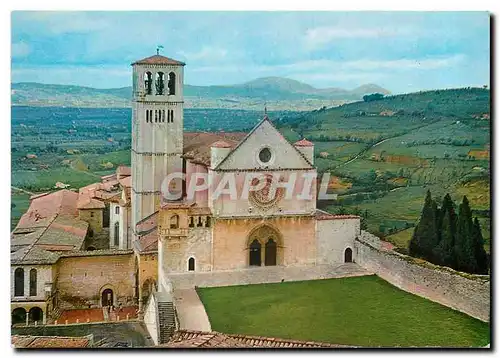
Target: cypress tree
{"x": 480, "y": 252}
{"x": 443, "y": 252}
{"x": 424, "y": 237}
{"x": 465, "y": 250}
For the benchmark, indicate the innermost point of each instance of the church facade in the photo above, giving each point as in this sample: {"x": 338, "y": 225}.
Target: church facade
{"x": 216, "y": 223}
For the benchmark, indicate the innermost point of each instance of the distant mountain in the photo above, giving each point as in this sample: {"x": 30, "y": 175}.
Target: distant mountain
{"x": 284, "y": 92}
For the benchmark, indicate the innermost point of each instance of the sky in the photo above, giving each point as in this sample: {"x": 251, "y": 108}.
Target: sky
{"x": 400, "y": 51}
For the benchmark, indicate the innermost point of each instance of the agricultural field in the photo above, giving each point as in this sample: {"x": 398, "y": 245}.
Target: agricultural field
{"x": 406, "y": 144}
{"x": 361, "y": 311}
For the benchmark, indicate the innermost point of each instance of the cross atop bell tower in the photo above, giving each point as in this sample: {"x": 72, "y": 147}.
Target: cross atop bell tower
{"x": 157, "y": 129}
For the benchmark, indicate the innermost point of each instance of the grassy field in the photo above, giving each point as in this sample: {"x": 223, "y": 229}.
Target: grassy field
{"x": 364, "y": 311}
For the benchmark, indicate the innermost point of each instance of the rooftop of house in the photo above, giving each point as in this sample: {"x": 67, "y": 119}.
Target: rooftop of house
{"x": 198, "y": 339}
{"x": 51, "y": 342}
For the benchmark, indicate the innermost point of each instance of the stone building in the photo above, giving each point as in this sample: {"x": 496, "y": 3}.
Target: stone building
{"x": 117, "y": 241}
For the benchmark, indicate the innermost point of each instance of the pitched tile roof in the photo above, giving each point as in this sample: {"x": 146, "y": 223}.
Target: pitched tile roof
{"x": 46, "y": 206}
{"x": 303, "y": 143}
{"x": 158, "y": 60}
{"x": 197, "y": 144}
{"x": 33, "y": 256}
{"x": 198, "y": 339}
{"x": 51, "y": 342}
{"x": 123, "y": 170}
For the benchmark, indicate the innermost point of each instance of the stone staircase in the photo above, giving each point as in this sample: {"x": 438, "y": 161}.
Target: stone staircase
{"x": 166, "y": 316}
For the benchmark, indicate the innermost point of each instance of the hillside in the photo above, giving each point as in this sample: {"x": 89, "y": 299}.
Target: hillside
{"x": 386, "y": 154}
{"x": 279, "y": 93}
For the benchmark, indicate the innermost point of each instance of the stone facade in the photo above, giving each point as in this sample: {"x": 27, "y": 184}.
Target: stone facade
{"x": 82, "y": 279}
{"x": 94, "y": 217}
{"x": 334, "y": 237}
{"x": 463, "y": 292}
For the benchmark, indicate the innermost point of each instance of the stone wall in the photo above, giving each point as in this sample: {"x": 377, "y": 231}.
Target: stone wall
{"x": 151, "y": 318}
{"x": 82, "y": 279}
{"x": 334, "y": 237}
{"x": 463, "y": 292}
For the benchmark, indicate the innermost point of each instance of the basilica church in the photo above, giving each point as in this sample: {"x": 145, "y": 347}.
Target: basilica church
{"x": 119, "y": 240}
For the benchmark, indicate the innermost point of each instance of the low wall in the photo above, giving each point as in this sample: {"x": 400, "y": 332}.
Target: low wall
{"x": 267, "y": 274}
{"x": 464, "y": 292}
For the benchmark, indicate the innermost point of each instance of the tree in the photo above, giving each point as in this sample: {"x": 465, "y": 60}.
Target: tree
{"x": 443, "y": 252}
{"x": 465, "y": 250}
{"x": 481, "y": 256}
{"x": 424, "y": 237}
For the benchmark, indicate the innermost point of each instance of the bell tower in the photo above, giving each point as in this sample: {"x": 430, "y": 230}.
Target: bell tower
{"x": 157, "y": 130}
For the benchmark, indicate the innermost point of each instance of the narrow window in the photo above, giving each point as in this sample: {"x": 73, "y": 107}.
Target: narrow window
{"x": 33, "y": 282}
{"x": 200, "y": 223}
{"x": 160, "y": 83}
{"x": 147, "y": 116}
{"x": 191, "y": 264}
{"x": 148, "y": 82}
{"x": 91, "y": 214}
{"x": 171, "y": 83}
{"x": 117, "y": 210}
{"x": 156, "y": 115}
{"x": 172, "y": 116}
{"x": 174, "y": 222}
{"x": 117, "y": 233}
{"x": 19, "y": 282}
{"x": 163, "y": 116}
{"x": 207, "y": 223}
{"x": 191, "y": 221}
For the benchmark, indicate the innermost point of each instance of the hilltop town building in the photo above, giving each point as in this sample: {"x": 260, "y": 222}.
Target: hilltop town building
{"x": 117, "y": 241}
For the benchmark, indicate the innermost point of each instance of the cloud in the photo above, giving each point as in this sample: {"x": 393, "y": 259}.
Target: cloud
{"x": 319, "y": 36}
{"x": 207, "y": 53}
{"x": 60, "y": 22}
{"x": 20, "y": 49}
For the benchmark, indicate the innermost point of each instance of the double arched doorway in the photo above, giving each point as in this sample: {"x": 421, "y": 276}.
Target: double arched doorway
{"x": 265, "y": 247}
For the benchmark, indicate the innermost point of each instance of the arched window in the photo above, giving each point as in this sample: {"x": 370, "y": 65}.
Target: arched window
{"x": 270, "y": 253}
{"x": 117, "y": 210}
{"x": 33, "y": 282}
{"x": 191, "y": 264}
{"x": 148, "y": 82}
{"x": 174, "y": 222}
{"x": 19, "y": 282}
{"x": 117, "y": 233}
{"x": 160, "y": 83}
{"x": 19, "y": 316}
{"x": 171, "y": 84}
{"x": 348, "y": 255}
{"x": 255, "y": 248}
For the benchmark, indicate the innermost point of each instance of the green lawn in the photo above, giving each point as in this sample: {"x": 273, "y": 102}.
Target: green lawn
{"x": 364, "y": 311}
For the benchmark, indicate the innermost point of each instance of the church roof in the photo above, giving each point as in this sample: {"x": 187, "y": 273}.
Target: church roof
{"x": 303, "y": 143}
{"x": 158, "y": 60}
{"x": 197, "y": 144}
{"x": 221, "y": 144}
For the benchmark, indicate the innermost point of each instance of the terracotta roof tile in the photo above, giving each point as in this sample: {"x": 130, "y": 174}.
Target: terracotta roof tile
{"x": 51, "y": 342}
{"x": 197, "y": 144}
{"x": 303, "y": 143}
{"x": 221, "y": 144}
{"x": 198, "y": 339}
{"x": 158, "y": 60}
